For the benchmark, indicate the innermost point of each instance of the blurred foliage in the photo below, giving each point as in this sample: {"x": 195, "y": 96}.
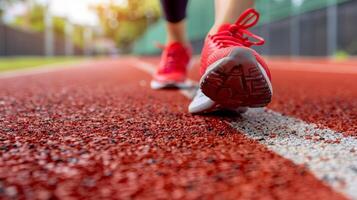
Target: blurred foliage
{"x": 34, "y": 20}
{"x": 77, "y": 37}
{"x": 341, "y": 55}
{"x": 126, "y": 23}
{"x": 4, "y": 4}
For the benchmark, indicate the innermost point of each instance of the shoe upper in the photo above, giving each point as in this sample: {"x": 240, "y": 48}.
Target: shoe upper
{"x": 232, "y": 36}
{"x": 173, "y": 64}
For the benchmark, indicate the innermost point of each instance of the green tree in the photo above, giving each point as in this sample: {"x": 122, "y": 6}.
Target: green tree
{"x": 125, "y": 24}
{"x": 34, "y": 20}
{"x": 4, "y": 4}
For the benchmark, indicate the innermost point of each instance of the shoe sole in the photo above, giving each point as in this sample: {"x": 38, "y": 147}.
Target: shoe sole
{"x": 202, "y": 104}
{"x": 237, "y": 80}
{"x": 156, "y": 85}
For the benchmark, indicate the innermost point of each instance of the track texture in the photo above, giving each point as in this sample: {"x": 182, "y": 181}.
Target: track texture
{"x": 100, "y": 132}
{"x": 327, "y": 99}
{"x": 324, "y": 98}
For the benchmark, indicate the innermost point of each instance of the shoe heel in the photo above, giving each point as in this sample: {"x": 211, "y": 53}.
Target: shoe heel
{"x": 236, "y": 81}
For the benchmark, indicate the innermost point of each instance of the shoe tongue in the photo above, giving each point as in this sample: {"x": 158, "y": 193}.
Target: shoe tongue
{"x": 175, "y": 45}
{"x": 179, "y": 44}
{"x": 223, "y": 27}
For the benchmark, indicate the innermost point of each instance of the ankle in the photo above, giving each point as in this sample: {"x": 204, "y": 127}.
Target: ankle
{"x": 213, "y": 30}
{"x": 182, "y": 41}
{"x": 176, "y": 32}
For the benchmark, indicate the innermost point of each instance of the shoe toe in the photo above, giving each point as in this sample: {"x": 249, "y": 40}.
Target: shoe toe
{"x": 201, "y": 104}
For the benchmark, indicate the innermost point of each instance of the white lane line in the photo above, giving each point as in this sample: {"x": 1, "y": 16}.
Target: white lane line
{"x": 43, "y": 69}
{"x": 144, "y": 66}
{"x": 329, "y": 155}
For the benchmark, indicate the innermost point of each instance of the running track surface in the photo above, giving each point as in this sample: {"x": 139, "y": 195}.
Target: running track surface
{"x": 98, "y": 131}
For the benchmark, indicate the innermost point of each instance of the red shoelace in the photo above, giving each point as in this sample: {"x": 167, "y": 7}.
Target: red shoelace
{"x": 237, "y": 33}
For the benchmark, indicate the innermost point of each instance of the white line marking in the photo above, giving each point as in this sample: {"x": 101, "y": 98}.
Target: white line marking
{"x": 144, "y": 66}
{"x": 329, "y": 155}
{"x": 43, "y": 69}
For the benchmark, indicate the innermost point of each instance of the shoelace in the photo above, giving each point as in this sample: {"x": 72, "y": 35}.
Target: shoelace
{"x": 235, "y": 35}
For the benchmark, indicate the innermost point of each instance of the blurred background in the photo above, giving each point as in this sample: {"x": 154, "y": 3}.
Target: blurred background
{"x": 70, "y": 29}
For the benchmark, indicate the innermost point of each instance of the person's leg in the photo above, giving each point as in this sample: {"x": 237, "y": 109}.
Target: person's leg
{"x": 227, "y": 11}
{"x": 176, "y": 55}
{"x": 175, "y": 14}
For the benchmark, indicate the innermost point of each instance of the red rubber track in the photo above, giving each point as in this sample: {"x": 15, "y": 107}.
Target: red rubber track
{"x": 327, "y": 99}
{"x": 324, "y": 98}
{"x": 100, "y": 132}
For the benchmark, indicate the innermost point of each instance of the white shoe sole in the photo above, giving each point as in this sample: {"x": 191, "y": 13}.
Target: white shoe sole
{"x": 202, "y": 104}
{"x": 156, "y": 85}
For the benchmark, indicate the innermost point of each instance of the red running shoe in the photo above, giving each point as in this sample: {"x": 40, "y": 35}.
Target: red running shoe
{"x": 234, "y": 76}
{"x": 172, "y": 69}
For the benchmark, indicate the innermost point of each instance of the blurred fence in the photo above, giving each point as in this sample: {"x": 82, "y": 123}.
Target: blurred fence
{"x": 290, "y": 27}
{"x": 15, "y": 42}
{"x": 308, "y": 34}
{"x": 273, "y": 10}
